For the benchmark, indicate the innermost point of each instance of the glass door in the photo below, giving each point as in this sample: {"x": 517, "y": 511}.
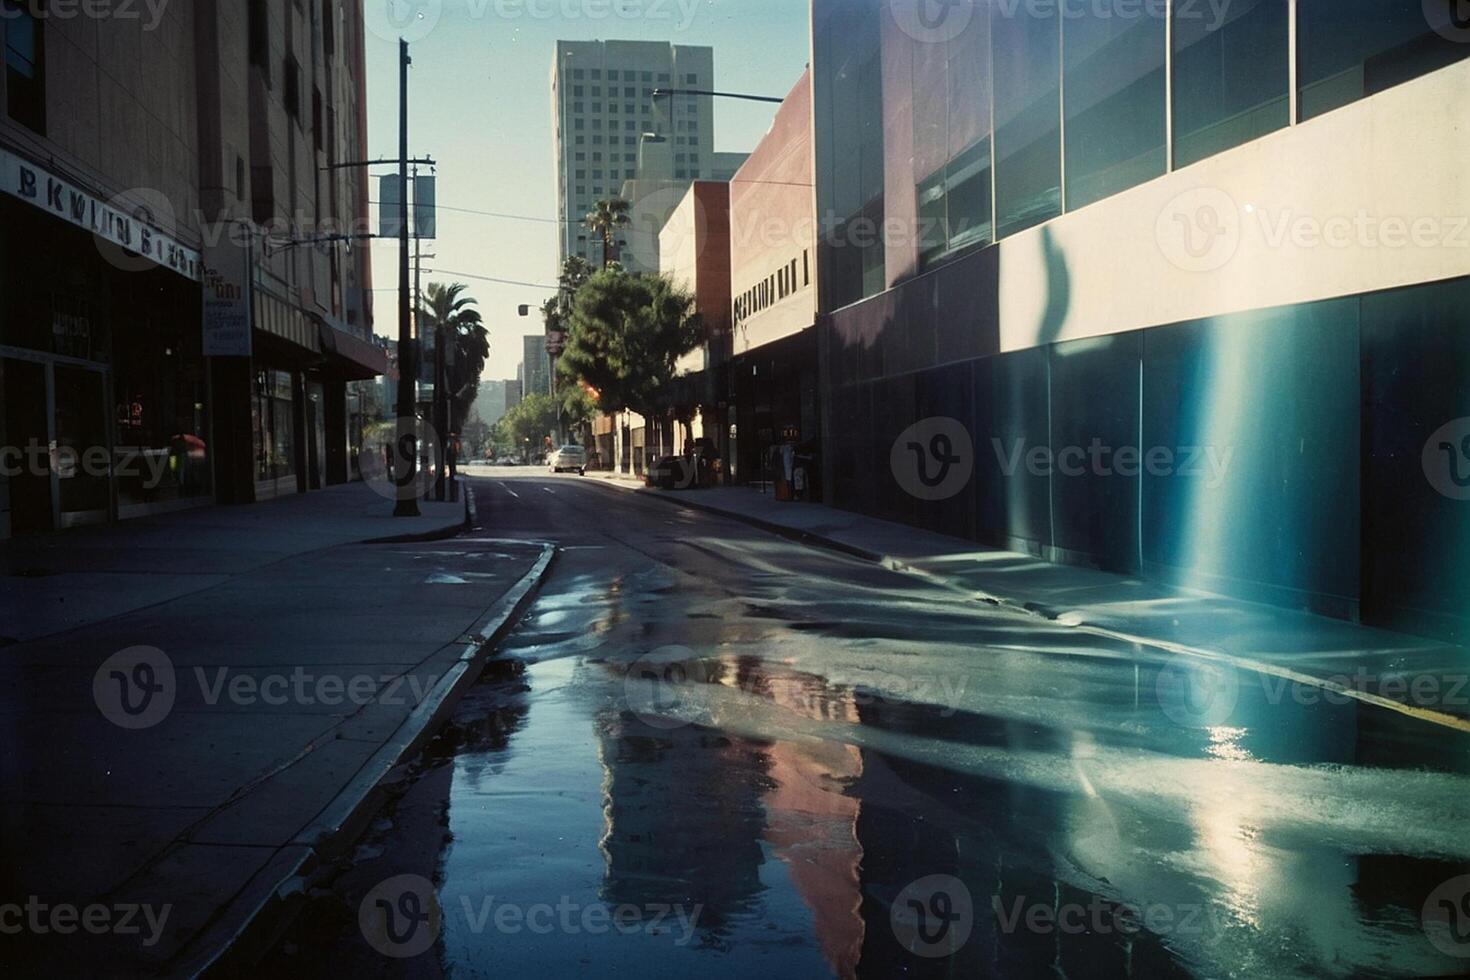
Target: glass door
{"x": 81, "y": 452}
{"x": 26, "y": 445}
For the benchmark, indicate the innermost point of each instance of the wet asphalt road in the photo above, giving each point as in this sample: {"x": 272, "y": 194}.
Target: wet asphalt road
{"x": 711, "y": 751}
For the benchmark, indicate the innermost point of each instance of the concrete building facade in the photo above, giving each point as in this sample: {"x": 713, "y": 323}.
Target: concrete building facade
{"x": 144, "y": 165}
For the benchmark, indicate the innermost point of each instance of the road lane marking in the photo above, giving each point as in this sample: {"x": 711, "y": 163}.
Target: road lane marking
{"x": 510, "y": 491}
{"x": 549, "y": 490}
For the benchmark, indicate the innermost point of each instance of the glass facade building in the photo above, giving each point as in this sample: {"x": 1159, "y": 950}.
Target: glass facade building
{"x": 1009, "y": 114}
{"x": 1026, "y": 166}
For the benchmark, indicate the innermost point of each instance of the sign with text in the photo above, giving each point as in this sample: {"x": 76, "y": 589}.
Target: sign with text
{"x": 109, "y": 221}
{"x": 227, "y": 300}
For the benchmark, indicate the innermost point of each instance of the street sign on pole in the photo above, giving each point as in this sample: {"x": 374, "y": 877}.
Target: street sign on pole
{"x": 556, "y": 342}
{"x": 390, "y": 206}
{"x": 425, "y": 208}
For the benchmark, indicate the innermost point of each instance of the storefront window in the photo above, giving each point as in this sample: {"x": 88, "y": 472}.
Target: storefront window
{"x": 1350, "y": 49}
{"x": 954, "y": 200}
{"x": 848, "y": 100}
{"x": 1028, "y": 138}
{"x": 1230, "y": 76}
{"x": 160, "y": 426}
{"x": 81, "y": 443}
{"x": 1115, "y": 103}
{"x": 275, "y": 426}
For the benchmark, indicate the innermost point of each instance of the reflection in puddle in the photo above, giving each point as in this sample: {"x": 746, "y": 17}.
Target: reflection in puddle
{"x": 779, "y": 796}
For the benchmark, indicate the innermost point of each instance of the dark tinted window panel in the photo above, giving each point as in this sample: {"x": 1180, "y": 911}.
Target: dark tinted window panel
{"x": 1115, "y": 104}
{"x": 948, "y": 392}
{"x": 1416, "y": 344}
{"x": 1095, "y": 414}
{"x": 1028, "y": 140}
{"x": 848, "y": 117}
{"x": 1013, "y": 503}
{"x": 1230, "y": 76}
{"x": 25, "y": 67}
{"x": 1349, "y": 49}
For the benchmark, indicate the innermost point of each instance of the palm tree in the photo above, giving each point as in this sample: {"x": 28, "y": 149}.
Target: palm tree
{"x": 464, "y": 329}
{"x": 604, "y": 221}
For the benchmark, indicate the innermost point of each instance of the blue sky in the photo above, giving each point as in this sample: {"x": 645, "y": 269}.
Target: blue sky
{"x": 480, "y": 104}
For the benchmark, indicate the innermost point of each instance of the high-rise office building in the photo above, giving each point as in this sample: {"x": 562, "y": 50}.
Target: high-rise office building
{"x": 535, "y": 366}
{"x": 603, "y": 106}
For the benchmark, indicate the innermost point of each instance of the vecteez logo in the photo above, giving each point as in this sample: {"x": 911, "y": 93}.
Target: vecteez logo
{"x": 1449, "y": 18}
{"x": 401, "y": 917}
{"x": 1446, "y": 459}
{"x": 932, "y": 21}
{"x": 135, "y": 688}
{"x": 657, "y": 686}
{"x": 411, "y": 20}
{"x": 1199, "y": 231}
{"x": 933, "y": 459}
{"x": 1197, "y": 694}
{"x": 1446, "y": 917}
{"x": 933, "y": 916}
{"x": 404, "y": 444}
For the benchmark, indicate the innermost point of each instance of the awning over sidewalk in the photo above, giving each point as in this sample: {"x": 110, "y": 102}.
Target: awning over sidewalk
{"x": 280, "y": 319}
{"x": 349, "y": 356}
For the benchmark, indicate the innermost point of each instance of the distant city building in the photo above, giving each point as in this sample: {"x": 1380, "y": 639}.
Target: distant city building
{"x": 535, "y": 366}
{"x": 512, "y": 394}
{"x": 603, "y": 104}
{"x": 726, "y": 165}
{"x": 492, "y": 404}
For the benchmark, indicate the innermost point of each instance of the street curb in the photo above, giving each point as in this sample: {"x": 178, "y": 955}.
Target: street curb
{"x": 810, "y": 538}
{"x": 249, "y": 925}
{"x": 439, "y": 534}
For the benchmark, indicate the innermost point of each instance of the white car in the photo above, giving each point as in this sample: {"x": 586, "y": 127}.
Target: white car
{"x": 569, "y": 459}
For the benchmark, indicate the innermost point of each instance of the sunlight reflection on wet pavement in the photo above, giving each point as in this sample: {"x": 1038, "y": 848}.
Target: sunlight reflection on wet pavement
{"x": 685, "y": 781}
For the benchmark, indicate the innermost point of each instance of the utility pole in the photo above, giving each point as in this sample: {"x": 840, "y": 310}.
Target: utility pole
{"x": 407, "y": 453}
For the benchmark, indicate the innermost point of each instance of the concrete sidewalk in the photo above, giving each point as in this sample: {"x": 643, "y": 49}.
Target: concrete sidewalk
{"x": 173, "y": 773}
{"x": 65, "y": 580}
{"x": 1417, "y": 676}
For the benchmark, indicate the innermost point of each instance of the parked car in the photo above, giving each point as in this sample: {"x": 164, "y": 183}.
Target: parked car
{"x": 569, "y": 459}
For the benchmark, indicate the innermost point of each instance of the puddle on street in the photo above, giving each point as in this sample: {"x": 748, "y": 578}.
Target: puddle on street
{"x": 607, "y": 802}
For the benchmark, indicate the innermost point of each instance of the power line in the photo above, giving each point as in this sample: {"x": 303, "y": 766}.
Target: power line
{"x": 503, "y": 282}
{"x": 491, "y": 214}
{"x": 558, "y": 221}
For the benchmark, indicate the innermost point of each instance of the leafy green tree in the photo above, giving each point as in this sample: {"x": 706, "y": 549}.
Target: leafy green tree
{"x": 447, "y": 306}
{"x": 625, "y": 334}
{"x": 578, "y": 408}
{"x": 605, "y": 220}
{"x": 475, "y": 435}
{"x": 531, "y": 421}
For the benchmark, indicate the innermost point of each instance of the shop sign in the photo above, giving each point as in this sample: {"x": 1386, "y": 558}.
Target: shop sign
{"x": 34, "y": 185}
{"x": 790, "y": 279}
{"x": 226, "y": 300}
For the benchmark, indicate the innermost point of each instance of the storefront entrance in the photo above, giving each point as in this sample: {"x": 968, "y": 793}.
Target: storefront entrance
{"x": 57, "y": 447}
